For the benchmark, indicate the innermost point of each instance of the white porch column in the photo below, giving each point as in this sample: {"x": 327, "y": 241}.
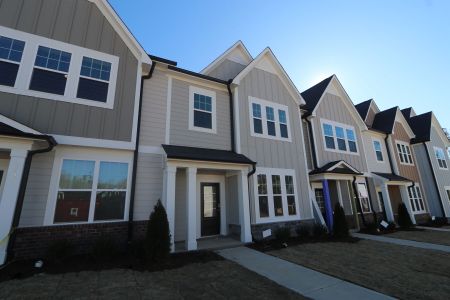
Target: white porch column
{"x": 405, "y": 199}
{"x": 169, "y": 202}
{"x": 191, "y": 208}
{"x": 387, "y": 202}
{"x": 244, "y": 207}
{"x": 8, "y": 200}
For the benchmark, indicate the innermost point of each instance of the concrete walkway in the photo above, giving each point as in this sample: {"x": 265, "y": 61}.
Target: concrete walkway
{"x": 434, "y": 228}
{"x": 304, "y": 281}
{"x": 401, "y": 242}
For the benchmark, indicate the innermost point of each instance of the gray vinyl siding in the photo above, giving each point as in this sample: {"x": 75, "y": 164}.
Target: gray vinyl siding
{"x": 180, "y": 134}
{"x": 78, "y": 22}
{"x": 180, "y": 206}
{"x": 232, "y": 200}
{"x": 333, "y": 108}
{"x": 226, "y": 70}
{"x": 372, "y": 163}
{"x": 149, "y": 184}
{"x": 154, "y": 109}
{"x": 36, "y": 194}
{"x": 273, "y": 153}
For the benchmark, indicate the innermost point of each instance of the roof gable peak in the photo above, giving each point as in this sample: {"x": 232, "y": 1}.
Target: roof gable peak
{"x": 237, "y": 53}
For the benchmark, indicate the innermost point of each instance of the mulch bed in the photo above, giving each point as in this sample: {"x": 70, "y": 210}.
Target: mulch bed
{"x": 25, "y": 268}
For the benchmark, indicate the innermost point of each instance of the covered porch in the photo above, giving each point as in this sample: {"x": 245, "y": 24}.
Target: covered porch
{"x": 205, "y": 194}
{"x": 17, "y": 145}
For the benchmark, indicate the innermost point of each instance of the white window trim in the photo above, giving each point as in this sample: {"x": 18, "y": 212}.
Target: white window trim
{"x": 375, "y": 150}
{"x": 345, "y": 127}
{"x": 196, "y": 90}
{"x": 276, "y": 107}
{"x": 419, "y": 211}
{"x": 360, "y": 199}
{"x": 98, "y": 156}
{"x": 32, "y": 43}
{"x": 437, "y": 159}
{"x": 282, "y": 173}
{"x": 399, "y": 154}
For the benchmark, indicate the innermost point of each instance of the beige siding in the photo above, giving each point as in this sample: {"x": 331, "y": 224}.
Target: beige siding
{"x": 373, "y": 164}
{"x": 180, "y": 134}
{"x": 226, "y": 70}
{"x": 81, "y": 23}
{"x": 333, "y": 108}
{"x": 36, "y": 194}
{"x": 370, "y": 116}
{"x": 272, "y": 153}
{"x": 407, "y": 171}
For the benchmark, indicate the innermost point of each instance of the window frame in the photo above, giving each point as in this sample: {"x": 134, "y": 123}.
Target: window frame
{"x": 412, "y": 200}
{"x": 438, "y": 160}
{"x": 197, "y": 90}
{"x": 27, "y": 65}
{"x": 10, "y": 61}
{"x": 269, "y": 172}
{"x": 345, "y": 127}
{"x": 361, "y": 198}
{"x": 447, "y": 192}
{"x": 276, "y": 108}
{"x": 375, "y": 140}
{"x": 96, "y": 156}
{"x": 403, "y": 155}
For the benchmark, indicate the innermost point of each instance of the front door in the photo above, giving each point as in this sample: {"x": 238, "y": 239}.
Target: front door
{"x": 210, "y": 200}
{"x": 3, "y": 169}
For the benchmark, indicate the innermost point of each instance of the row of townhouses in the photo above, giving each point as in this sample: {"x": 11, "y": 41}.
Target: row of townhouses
{"x": 94, "y": 131}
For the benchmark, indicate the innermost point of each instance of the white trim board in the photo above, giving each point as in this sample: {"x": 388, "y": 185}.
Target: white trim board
{"x": 228, "y": 54}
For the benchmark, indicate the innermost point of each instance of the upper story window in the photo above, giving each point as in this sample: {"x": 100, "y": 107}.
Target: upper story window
{"x": 378, "y": 150}
{"x": 269, "y": 120}
{"x": 11, "y": 52}
{"x": 339, "y": 137}
{"x": 43, "y": 68}
{"x": 440, "y": 156}
{"x": 202, "y": 110}
{"x": 404, "y": 153}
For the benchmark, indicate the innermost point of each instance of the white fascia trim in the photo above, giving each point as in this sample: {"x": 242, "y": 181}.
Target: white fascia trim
{"x": 343, "y": 163}
{"x": 223, "y": 56}
{"x": 285, "y": 79}
{"x": 94, "y": 143}
{"x": 197, "y": 90}
{"x": 184, "y": 163}
{"x": 437, "y": 126}
{"x": 17, "y": 125}
{"x": 123, "y": 31}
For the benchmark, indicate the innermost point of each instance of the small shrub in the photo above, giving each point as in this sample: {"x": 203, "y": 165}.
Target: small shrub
{"x": 372, "y": 227}
{"x": 157, "y": 241}
{"x": 404, "y": 219}
{"x": 319, "y": 231}
{"x": 437, "y": 222}
{"x": 303, "y": 231}
{"x": 104, "y": 249}
{"x": 59, "y": 251}
{"x": 283, "y": 234}
{"x": 340, "y": 226}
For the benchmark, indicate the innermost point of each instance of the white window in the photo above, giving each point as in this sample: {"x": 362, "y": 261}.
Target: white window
{"x": 11, "y": 51}
{"x": 416, "y": 199}
{"x": 35, "y": 66}
{"x": 404, "y": 153}
{"x": 378, "y": 150}
{"x": 202, "y": 110}
{"x": 363, "y": 196}
{"x": 269, "y": 120}
{"x": 339, "y": 137}
{"x": 440, "y": 156}
{"x": 276, "y": 197}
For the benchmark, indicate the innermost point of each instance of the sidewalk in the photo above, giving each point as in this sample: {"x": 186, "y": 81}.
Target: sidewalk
{"x": 434, "y": 228}
{"x": 422, "y": 245}
{"x": 304, "y": 281}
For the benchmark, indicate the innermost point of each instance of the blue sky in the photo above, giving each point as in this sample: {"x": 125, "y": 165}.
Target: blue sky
{"x": 395, "y": 51}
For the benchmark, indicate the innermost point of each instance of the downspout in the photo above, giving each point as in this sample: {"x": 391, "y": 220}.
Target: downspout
{"x": 135, "y": 156}
{"x": 311, "y": 140}
{"x": 22, "y": 188}
{"x": 358, "y": 205}
{"x": 250, "y": 174}
{"x": 233, "y": 142}
{"x": 434, "y": 179}
{"x": 388, "y": 150}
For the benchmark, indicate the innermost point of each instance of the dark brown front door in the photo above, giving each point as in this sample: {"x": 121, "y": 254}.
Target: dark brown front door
{"x": 210, "y": 199}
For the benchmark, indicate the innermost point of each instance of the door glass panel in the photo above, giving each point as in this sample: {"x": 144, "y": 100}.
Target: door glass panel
{"x": 320, "y": 199}
{"x": 209, "y": 201}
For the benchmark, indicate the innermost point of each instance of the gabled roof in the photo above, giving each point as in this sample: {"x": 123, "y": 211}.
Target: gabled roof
{"x": 9, "y": 127}
{"x": 421, "y": 126}
{"x": 313, "y": 95}
{"x": 336, "y": 167}
{"x": 204, "y": 154}
{"x": 385, "y": 121}
{"x": 407, "y": 112}
{"x": 123, "y": 31}
{"x": 363, "y": 108}
{"x": 392, "y": 177}
{"x": 244, "y": 58}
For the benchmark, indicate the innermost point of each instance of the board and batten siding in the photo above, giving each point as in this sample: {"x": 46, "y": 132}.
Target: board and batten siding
{"x": 372, "y": 163}
{"x": 37, "y": 190}
{"x": 77, "y": 22}
{"x": 226, "y": 70}
{"x": 332, "y": 108}
{"x": 181, "y": 135}
{"x": 370, "y": 116}
{"x": 274, "y": 153}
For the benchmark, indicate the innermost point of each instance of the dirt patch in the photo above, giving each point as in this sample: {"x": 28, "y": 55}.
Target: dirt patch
{"x": 427, "y": 236}
{"x": 211, "y": 280}
{"x": 398, "y": 271}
